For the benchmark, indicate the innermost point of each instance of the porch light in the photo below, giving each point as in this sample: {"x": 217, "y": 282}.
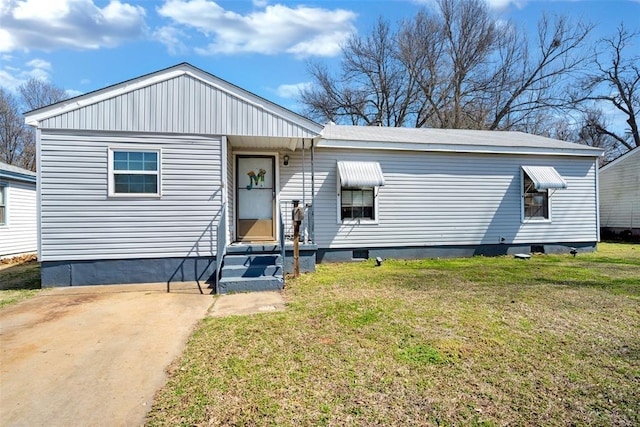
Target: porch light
{"x": 285, "y": 160}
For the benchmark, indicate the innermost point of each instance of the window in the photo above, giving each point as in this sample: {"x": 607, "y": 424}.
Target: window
{"x": 357, "y": 203}
{"x": 358, "y": 185}
{"x": 536, "y": 202}
{"x": 135, "y": 172}
{"x": 537, "y": 182}
{"x": 3, "y": 206}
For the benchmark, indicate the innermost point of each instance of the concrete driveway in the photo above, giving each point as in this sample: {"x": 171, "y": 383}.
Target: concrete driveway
{"x": 92, "y": 356}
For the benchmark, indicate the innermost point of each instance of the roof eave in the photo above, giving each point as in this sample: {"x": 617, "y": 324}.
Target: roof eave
{"x": 459, "y": 148}
{"x": 17, "y": 176}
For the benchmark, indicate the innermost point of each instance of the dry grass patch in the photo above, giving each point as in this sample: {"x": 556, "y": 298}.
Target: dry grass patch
{"x": 481, "y": 341}
{"x": 19, "y": 279}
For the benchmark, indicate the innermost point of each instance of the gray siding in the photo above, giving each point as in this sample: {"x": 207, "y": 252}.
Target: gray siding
{"x": 19, "y": 235}
{"x": 81, "y": 222}
{"x": 181, "y": 104}
{"x": 449, "y": 199}
{"x": 620, "y": 193}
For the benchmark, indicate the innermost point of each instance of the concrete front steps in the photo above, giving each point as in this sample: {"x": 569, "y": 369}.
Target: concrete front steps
{"x": 251, "y": 268}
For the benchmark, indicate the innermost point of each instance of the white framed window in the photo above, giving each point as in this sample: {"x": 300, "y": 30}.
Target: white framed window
{"x": 536, "y": 202}
{"x": 357, "y": 190}
{"x": 357, "y": 204}
{"x": 134, "y": 172}
{"x": 3, "y": 205}
{"x": 539, "y": 183}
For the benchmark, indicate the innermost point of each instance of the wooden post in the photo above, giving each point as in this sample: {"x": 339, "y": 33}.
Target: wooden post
{"x": 296, "y": 249}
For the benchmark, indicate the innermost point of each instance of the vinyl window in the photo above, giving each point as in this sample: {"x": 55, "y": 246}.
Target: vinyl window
{"x": 536, "y": 202}
{"x": 3, "y": 205}
{"x": 357, "y": 203}
{"x": 134, "y": 172}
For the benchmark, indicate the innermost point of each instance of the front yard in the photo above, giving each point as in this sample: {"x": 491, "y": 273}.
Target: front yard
{"x": 554, "y": 340}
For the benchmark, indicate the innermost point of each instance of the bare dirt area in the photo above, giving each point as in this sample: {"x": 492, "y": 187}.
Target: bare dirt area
{"x": 92, "y": 355}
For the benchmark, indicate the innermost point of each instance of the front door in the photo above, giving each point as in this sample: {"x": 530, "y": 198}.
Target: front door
{"x": 256, "y": 197}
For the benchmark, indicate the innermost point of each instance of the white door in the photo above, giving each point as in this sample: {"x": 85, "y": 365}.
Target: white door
{"x": 255, "y": 193}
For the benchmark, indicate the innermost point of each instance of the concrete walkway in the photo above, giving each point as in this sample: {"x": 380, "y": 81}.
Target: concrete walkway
{"x": 92, "y": 356}
{"x": 247, "y": 303}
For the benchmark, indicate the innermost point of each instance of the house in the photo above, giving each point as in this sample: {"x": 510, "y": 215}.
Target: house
{"x": 18, "y": 226}
{"x": 620, "y": 196}
{"x": 179, "y": 175}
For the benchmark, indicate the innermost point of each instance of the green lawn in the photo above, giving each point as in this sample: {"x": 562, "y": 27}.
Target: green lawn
{"x": 554, "y": 340}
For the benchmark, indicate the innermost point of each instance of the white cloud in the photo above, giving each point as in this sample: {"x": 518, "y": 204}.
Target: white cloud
{"x": 172, "y": 38}
{"x": 503, "y": 4}
{"x": 301, "y": 30}
{"x": 72, "y": 93}
{"x": 292, "y": 91}
{"x": 40, "y": 64}
{"x": 76, "y": 24}
{"x": 12, "y": 77}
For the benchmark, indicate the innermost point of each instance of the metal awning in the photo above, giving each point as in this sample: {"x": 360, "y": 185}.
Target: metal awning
{"x": 545, "y": 177}
{"x": 360, "y": 174}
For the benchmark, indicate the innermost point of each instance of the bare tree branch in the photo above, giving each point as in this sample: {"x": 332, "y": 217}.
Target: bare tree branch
{"x": 615, "y": 80}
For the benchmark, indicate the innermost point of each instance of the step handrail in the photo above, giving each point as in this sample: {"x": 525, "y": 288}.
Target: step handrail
{"x": 221, "y": 243}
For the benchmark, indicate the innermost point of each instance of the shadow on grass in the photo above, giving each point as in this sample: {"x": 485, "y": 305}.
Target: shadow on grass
{"x": 23, "y": 276}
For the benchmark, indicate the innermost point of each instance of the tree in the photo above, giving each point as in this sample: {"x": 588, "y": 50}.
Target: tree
{"x": 532, "y": 82}
{"x": 457, "y": 66}
{"x": 373, "y": 87}
{"x": 458, "y": 56}
{"x": 18, "y": 145}
{"x": 38, "y": 93}
{"x": 614, "y": 83}
{"x": 13, "y": 133}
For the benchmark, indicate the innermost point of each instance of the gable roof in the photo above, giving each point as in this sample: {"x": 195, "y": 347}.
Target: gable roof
{"x": 179, "y": 88}
{"x": 13, "y": 172}
{"x": 629, "y": 154}
{"x": 462, "y": 140}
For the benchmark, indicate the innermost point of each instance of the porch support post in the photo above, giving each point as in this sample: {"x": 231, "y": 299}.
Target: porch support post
{"x": 304, "y": 184}
{"x": 311, "y": 221}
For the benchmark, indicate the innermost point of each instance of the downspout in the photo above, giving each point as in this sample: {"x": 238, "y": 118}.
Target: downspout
{"x": 312, "y": 226}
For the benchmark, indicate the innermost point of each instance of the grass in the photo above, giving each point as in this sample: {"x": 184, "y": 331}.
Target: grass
{"x": 554, "y": 340}
{"x": 19, "y": 279}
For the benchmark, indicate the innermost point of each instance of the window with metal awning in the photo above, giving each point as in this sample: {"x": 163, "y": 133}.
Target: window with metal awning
{"x": 360, "y": 174}
{"x": 545, "y": 177}
{"x": 536, "y": 183}
{"x": 357, "y": 191}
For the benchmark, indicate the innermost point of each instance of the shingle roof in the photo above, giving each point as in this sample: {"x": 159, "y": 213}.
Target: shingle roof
{"x": 449, "y": 140}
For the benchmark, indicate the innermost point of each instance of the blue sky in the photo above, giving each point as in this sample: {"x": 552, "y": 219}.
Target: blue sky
{"x": 260, "y": 45}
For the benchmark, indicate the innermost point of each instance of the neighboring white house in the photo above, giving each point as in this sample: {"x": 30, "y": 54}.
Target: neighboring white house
{"x": 179, "y": 175}
{"x": 620, "y": 195}
{"x": 18, "y": 225}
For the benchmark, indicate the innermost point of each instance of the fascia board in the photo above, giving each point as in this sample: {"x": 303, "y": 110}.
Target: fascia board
{"x": 16, "y": 176}
{"x": 458, "y": 148}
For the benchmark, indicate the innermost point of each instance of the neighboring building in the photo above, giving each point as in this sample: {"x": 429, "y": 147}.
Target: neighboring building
{"x": 18, "y": 225}
{"x": 171, "y": 175}
{"x": 620, "y": 196}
